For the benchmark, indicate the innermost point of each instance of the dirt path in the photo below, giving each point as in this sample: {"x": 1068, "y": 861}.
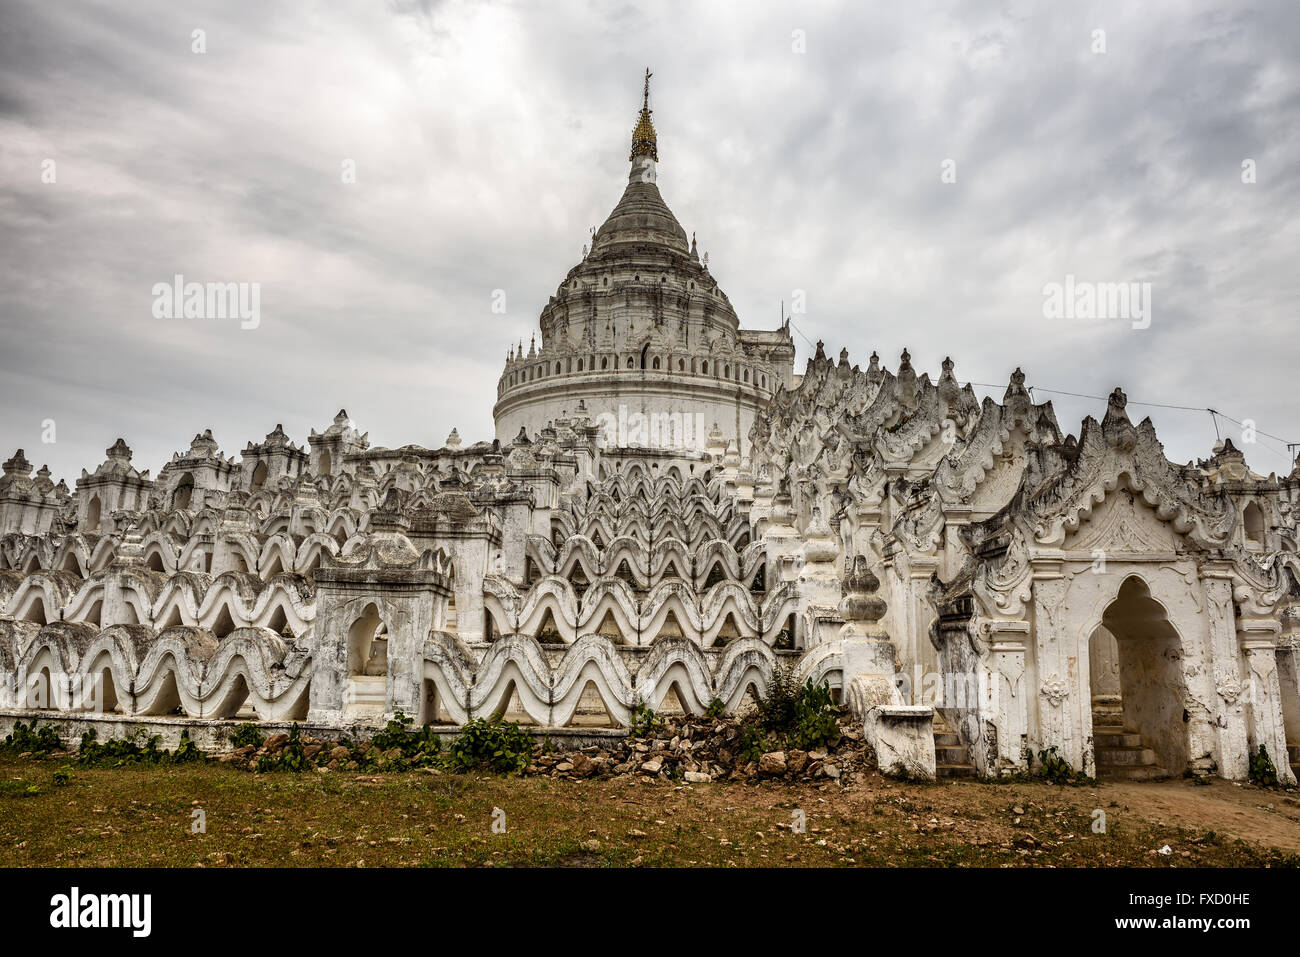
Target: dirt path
{"x": 1239, "y": 811}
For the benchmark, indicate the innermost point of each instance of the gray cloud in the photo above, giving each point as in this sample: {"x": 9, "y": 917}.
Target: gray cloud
{"x": 488, "y": 138}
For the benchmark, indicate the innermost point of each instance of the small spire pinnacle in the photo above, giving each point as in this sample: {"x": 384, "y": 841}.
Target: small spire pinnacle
{"x": 644, "y": 142}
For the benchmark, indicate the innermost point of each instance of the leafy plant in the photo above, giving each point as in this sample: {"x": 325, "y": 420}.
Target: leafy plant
{"x": 752, "y": 743}
{"x": 247, "y": 735}
{"x": 419, "y": 748}
{"x": 804, "y": 715}
{"x": 187, "y": 751}
{"x": 1262, "y": 771}
{"x": 777, "y": 708}
{"x": 61, "y": 776}
{"x": 716, "y": 709}
{"x": 29, "y": 738}
{"x": 291, "y": 757}
{"x": 815, "y": 717}
{"x": 395, "y": 734}
{"x": 498, "y": 746}
{"x": 129, "y": 750}
{"x": 17, "y": 789}
{"x": 1056, "y": 769}
{"x": 426, "y": 746}
{"x": 645, "y": 723}
{"x": 119, "y": 751}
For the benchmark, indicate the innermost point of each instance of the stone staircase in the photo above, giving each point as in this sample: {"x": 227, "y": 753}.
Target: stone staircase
{"x": 1120, "y": 753}
{"x": 951, "y": 757}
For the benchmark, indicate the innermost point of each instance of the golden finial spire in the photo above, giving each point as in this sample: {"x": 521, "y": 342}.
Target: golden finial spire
{"x": 643, "y": 137}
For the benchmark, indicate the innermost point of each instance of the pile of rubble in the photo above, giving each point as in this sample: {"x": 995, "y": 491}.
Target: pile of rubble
{"x": 697, "y": 749}
{"x": 691, "y": 749}
{"x": 279, "y": 752}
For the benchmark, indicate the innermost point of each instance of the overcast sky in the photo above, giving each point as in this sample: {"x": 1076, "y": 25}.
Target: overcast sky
{"x": 805, "y": 143}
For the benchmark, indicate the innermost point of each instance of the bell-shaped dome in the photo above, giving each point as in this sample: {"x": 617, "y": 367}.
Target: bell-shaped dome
{"x": 641, "y": 216}
{"x": 639, "y": 327}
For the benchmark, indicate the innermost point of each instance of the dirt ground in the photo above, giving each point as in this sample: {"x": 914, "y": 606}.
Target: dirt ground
{"x": 146, "y": 816}
{"x": 1270, "y": 818}
{"x": 1240, "y": 811}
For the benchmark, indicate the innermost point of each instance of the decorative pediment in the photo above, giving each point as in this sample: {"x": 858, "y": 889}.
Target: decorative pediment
{"x": 1063, "y": 484}
{"x": 1123, "y": 524}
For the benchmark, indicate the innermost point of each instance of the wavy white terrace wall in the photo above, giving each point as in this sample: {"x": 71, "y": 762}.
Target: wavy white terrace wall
{"x": 887, "y": 534}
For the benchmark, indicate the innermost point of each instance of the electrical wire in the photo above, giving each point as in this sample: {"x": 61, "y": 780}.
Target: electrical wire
{"x": 1215, "y": 415}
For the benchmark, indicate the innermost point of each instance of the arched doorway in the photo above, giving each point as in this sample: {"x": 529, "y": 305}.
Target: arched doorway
{"x": 184, "y": 493}
{"x": 368, "y": 644}
{"x": 38, "y": 691}
{"x": 103, "y": 691}
{"x": 367, "y": 687}
{"x": 1252, "y": 518}
{"x": 1139, "y": 724}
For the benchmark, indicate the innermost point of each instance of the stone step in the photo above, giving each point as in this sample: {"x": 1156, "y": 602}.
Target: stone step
{"x": 951, "y": 757}
{"x": 955, "y": 770}
{"x": 1116, "y": 739}
{"x": 1146, "y": 772}
{"x": 1120, "y": 752}
{"x": 1110, "y": 726}
{"x": 952, "y": 754}
{"x": 1123, "y": 757}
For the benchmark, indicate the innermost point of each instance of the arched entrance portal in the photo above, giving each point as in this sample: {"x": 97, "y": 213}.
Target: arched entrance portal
{"x": 1139, "y": 725}
{"x": 367, "y": 688}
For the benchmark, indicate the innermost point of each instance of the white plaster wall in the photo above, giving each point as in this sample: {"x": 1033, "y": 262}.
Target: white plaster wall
{"x": 698, "y": 400}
